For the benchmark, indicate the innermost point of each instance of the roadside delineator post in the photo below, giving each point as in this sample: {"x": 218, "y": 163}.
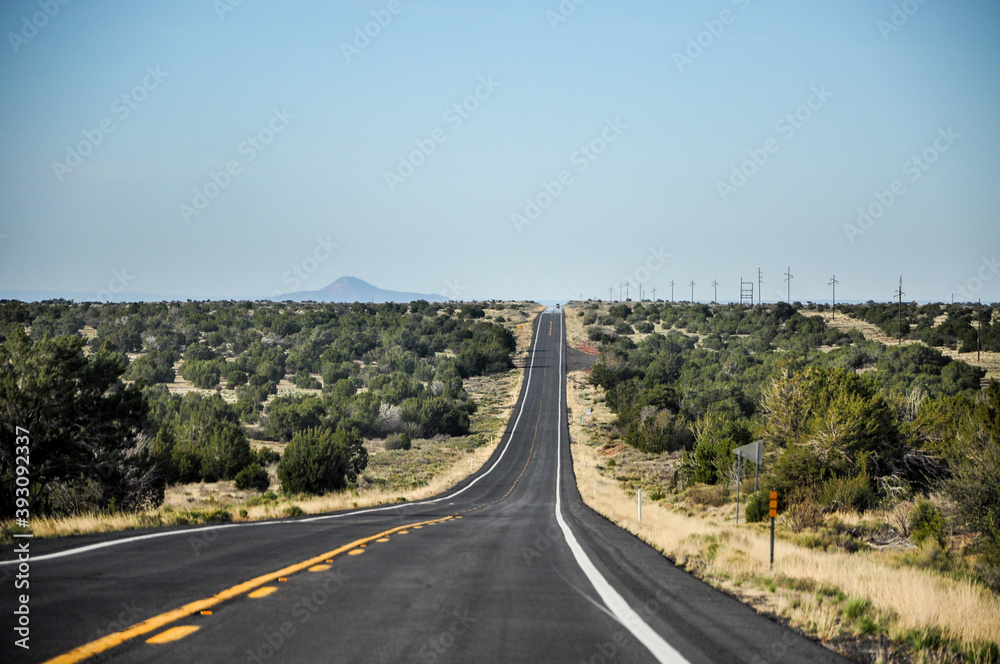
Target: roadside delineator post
{"x": 772, "y": 512}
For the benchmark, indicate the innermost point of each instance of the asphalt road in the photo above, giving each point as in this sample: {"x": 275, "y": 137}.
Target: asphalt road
{"x": 509, "y": 566}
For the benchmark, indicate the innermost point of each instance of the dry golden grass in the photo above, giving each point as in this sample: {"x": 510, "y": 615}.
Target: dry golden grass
{"x": 916, "y": 598}
{"x": 736, "y": 558}
{"x": 99, "y": 522}
{"x": 371, "y": 497}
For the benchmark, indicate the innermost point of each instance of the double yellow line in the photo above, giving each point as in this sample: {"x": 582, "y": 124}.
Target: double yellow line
{"x": 156, "y": 622}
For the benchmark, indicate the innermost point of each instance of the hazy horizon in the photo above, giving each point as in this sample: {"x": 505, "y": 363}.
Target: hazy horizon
{"x": 236, "y": 150}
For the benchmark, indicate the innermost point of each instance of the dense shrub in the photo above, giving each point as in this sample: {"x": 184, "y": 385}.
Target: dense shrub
{"x": 153, "y": 367}
{"x": 758, "y": 505}
{"x": 398, "y": 441}
{"x": 321, "y": 460}
{"x": 253, "y": 477}
{"x": 289, "y": 415}
{"x": 83, "y": 425}
{"x": 927, "y": 523}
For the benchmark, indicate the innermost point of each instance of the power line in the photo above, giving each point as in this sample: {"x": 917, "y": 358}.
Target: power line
{"x": 758, "y": 286}
{"x": 671, "y": 290}
{"x": 692, "y": 291}
{"x": 715, "y": 285}
{"x": 788, "y": 280}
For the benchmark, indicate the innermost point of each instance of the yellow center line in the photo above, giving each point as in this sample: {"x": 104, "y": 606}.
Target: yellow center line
{"x": 173, "y": 634}
{"x": 156, "y": 622}
{"x": 262, "y": 592}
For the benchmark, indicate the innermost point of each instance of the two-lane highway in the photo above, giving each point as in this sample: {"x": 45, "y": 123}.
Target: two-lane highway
{"x": 509, "y": 566}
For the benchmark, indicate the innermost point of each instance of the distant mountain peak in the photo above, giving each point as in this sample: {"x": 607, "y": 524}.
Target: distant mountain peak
{"x": 353, "y": 289}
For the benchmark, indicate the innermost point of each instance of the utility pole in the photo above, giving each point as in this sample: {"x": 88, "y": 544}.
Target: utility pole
{"x": 834, "y": 282}
{"x": 899, "y": 316}
{"x": 692, "y": 291}
{"x": 671, "y": 290}
{"x": 758, "y": 285}
{"x": 979, "y": 328}
{"x": 626, "y": 289}
{"x": 619, "y": 291}
{"x": 788, "y": 280}
{"x": 715, "y": 285}
{"x": 611, "y": 294}
{"x": 640, "y": 293}
{"x": 654, "y": 293}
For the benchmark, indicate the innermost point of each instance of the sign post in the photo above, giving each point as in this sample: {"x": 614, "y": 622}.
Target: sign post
{"x": 754, "y": 452}
{"x": 772, "y": 512}
{"x": 739, "y": 480}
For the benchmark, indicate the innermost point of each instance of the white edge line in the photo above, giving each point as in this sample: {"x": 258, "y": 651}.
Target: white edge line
{"x": 624, "y": 613}
{"x": 189, "y": 531}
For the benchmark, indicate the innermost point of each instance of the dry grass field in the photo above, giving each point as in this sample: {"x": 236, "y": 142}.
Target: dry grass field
{"x": 867, "y": 604}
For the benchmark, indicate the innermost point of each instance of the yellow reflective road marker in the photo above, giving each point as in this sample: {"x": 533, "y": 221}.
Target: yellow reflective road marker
{"x": 173, "y": 634}
{"x": 319, "y": 568}
{"x": 382, "y": 539}
{"x": 115, "y": 639}
{"x": 262, "y": 592}
{"x": 403, "y": 532}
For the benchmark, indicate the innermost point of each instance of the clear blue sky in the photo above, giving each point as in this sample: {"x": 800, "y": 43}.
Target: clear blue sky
{"x": 671, "y": 119}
